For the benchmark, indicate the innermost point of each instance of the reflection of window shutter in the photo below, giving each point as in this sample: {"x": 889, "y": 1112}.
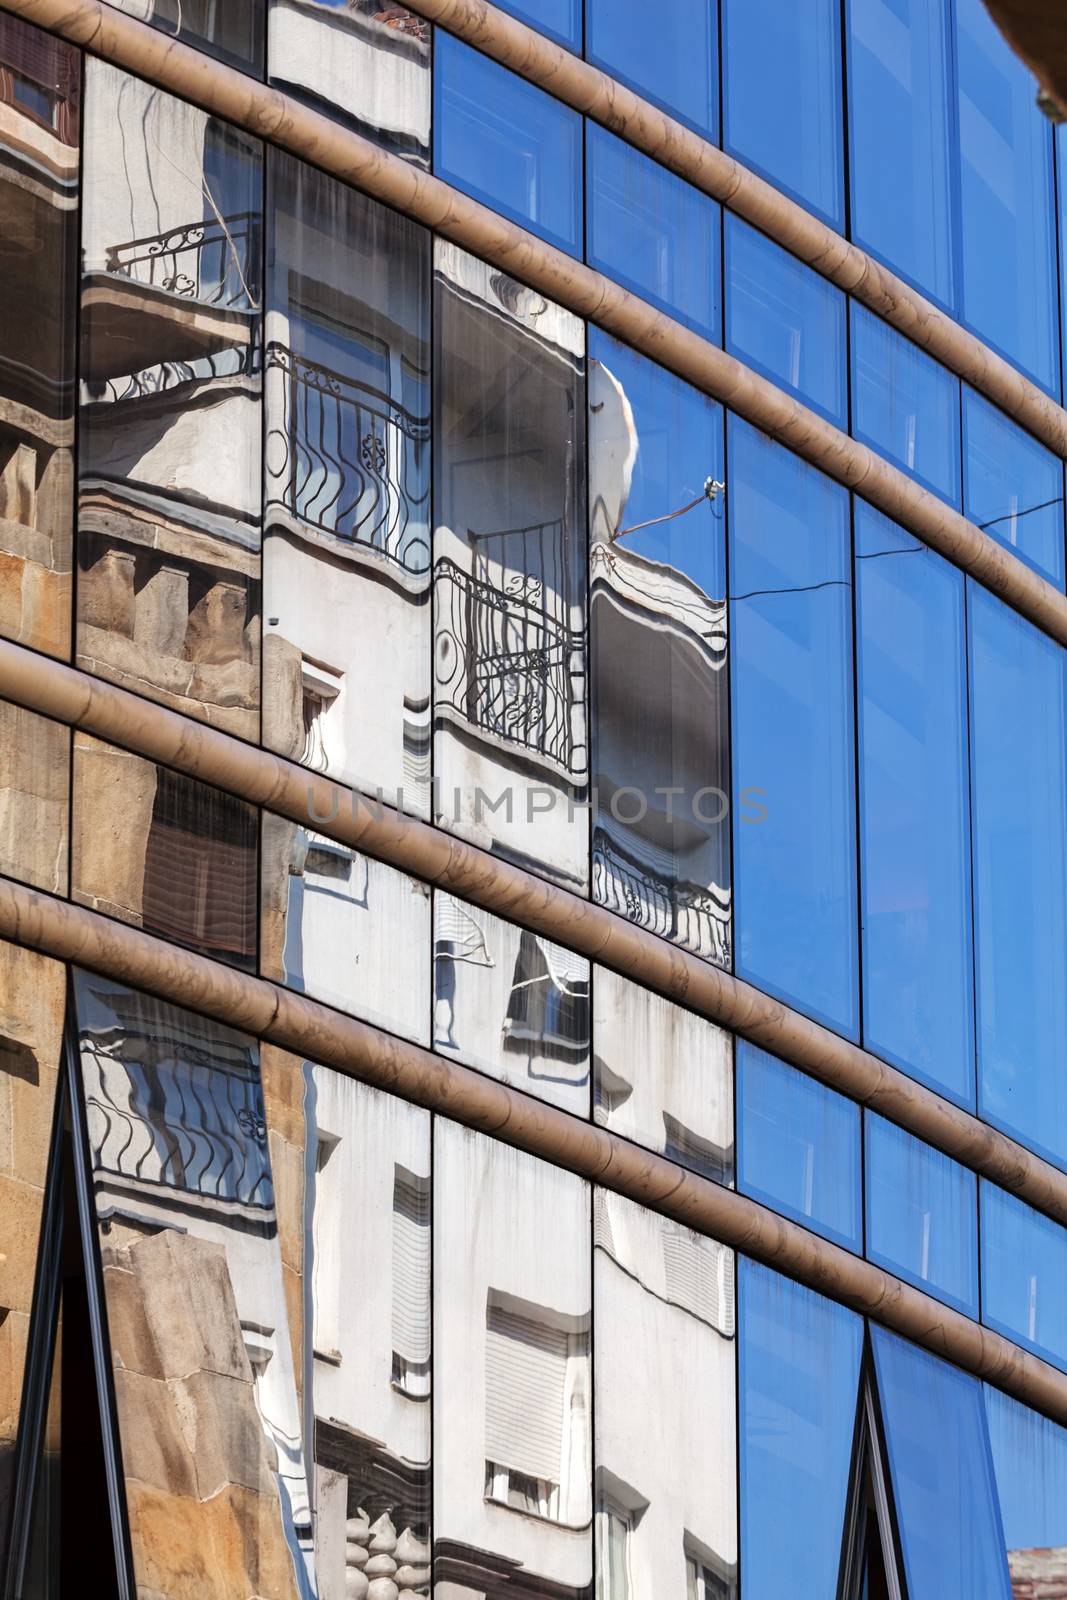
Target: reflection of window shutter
{"x": 603, "y": 1238}
{"x": 525, "y": 1374}
{"x": 699, "y": 1274}
{"x": 411, "y": 1266}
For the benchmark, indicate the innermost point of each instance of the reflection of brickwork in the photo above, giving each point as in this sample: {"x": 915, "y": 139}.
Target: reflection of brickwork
{"x": 1038, "y": 1574}
{"x": 204, "y": 1505}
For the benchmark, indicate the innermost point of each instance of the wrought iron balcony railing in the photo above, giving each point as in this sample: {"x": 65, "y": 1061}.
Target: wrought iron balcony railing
{"x": 347, "y": 460}
{"x": 696, "y": 918}
{"x": 216, "y": 263}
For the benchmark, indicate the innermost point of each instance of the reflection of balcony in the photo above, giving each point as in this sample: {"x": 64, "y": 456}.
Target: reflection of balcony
{"x": 507, "y": 663}
{"x": 190, "y": 1124}
{"x": 347, "y": 460}
{"x": 686, "y": 914}
{"x": 173, "y": 297}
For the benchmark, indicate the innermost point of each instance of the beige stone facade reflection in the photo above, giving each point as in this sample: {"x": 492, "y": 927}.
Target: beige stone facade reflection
{"x": 34, "y": 798}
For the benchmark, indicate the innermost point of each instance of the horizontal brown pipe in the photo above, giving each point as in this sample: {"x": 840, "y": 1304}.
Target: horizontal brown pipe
{"x": 74, "y": 697}
{"x": 285, "y": 122}
{"x": 612, "y": 104}
{"x": 316, "y": 1033}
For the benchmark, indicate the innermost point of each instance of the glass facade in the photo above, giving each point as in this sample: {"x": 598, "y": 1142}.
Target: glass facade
{"x": 495, "y": 823}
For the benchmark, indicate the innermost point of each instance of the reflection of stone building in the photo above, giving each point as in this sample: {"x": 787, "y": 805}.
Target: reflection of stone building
{"x": 1038, "y": 1574}
{"x": 659, "y": 645}
{"x": 39, "y": 86}
{"x": 205, "y": 1385}
{"x": 168, "y": 550}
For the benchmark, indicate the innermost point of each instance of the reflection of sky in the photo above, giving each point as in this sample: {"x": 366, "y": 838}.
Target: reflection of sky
{"x": 679, "y": 446}
{"x": 1030, "y": 1459}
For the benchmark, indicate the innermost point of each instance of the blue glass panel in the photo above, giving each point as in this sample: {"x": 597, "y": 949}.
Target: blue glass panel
{"x": 560, "y": 19}
{"x": 922, "y": 1215}
{"x": 669, "y": 55}
{"x": 785, "y": 320}
{"x": 507, "y": 143}
{"x": 798, "y": 1146}
{"x": 799, "y": 1375}
{"x": 942, "y": 1472}
{"x": 1020, "y": 874}
{"x": 661, "y": 824}
{"x": 1024, "y": 1274}
{"x": 652, "y": 231}
{"x": 794, "y": 811}
{"x": 1030, "y": 1463}
{"x": 918, "y": 989}
{"x": 904, "y": 405}
{"x": 1012, "y": 486}
{"x": 782, "y": 97}
{"x": 1007, "y": 200}
{"x": 900, "y": 138}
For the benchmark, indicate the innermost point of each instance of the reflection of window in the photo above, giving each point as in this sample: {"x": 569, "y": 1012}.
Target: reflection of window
{"x": 320, "y": 688}
{"x": 411, "y": 1283}
{"x": 549, "y": 1001}
{"x": 702, "y": 1583}
{"x": 526, "y": 1401}
{"x": 699, "y": 1276}
{"x": 200, "y": 869}
{"x": 613, "y": 1528}
{"x": 692, "y": 1150}
{"x": 327, "y": 1242}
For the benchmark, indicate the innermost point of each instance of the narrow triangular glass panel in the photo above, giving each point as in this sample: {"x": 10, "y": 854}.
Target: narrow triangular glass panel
{"x": 870, "y": 1568}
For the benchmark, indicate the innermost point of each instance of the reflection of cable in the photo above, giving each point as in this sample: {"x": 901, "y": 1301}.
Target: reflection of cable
{"x": 711, "y": 491}
{"x": 1013, "y": 516}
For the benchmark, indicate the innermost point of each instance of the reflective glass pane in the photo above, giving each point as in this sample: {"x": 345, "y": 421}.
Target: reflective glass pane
{"x": 798, "y": 1146}
{"x": 662, "y": 1076}
{"x": 233, "y": 30}
{"x": 922, "y": 1214}
{"x": 1020, "y": 873}
{"x": 507, "y": 143}
{"x": 510, "y": 741}
{"x": 670, "y": 57}
{"x": 345, "y": 929}
{"x": 560, "y": 19}
{"x": 362, "y": 62}
{"x": 163, "y": 852}
{"x": 32, "y": 1004}
{"x": 785, "y": 320}
{"x": 346, "y": 559}
{"x": 206, "y": 1390}
{"x": 1012, "y": 486}
{"x": 666, "y": 1394}
{"x": 512, "y": 1379}
{"x": 34, "y": 793}
{"x": 799, "y": 1379}
{"x": 942, "y": 1473}
{"x": 39, "y": 92}
{"x": 661, "y": 845}
{"x": 511, "y": 1003}
{"x": 1030, "y": 1463}
{"x": 782, "y": 89}
{"x": 652, "y": 231}
{"x": 794, "y": 811}
{"x": 1024, "y": 1274}
{"x": 914, "y": 807}
{"x": 904, "y": 405}
{"x": 353, "y": 1212}
{"x": 1007, "y": 199}
{"x": 901, "y": 138}
{"x": 170, "y": 430}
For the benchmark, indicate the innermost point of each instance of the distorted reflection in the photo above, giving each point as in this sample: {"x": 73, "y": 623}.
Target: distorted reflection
{"x": 39, "y": 93}
{"x": 921, "y": 1214}
{"x": 206, "y": 1391}
{"x": 347, "y": 549}
{"x": 1030, "y": 1466}
{"x": 32, "y": 991}
{"x": 164, "y": 852}
{"x": 1012, "y": 486}
{"x": 512, "y": 1433}
{"x": 510, "y": 743}
{"x": 1024, "y": 1274}
{"x": 363, "y": 62}
{"x": 355, "y": 1213}
{"x": 661, "y": 832}
{"x": 666, "y": 1433}
{"x": 34, "y": 798}
{"x": 511, "y": 1003}
{"x": 663, "y": 1076}
{"x": 346, "y": 929}
{"x": 229, "y": 29}
{"x": 169, "y": 490}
